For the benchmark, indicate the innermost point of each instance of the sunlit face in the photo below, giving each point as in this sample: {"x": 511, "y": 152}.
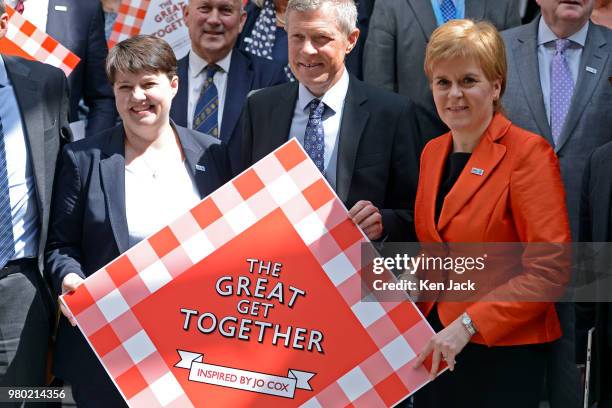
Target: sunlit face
{"x": 214, "y": 26}
{"x": 143, "y": 99}
{"x": 463, "y": 95}
{"x": 317, "y": 48}
{"x": 565, "y": 16}
{"x": 3, "y": 24}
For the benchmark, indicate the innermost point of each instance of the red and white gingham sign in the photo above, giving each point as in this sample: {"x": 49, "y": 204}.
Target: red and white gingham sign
{"x": 25, "y": 40}
{"x": 161, "y": 18}
{"x": 252, "y": 298}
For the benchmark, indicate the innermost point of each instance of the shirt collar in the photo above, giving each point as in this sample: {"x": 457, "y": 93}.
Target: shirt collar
{"x": 4, "y": 81}
{"x": 333, "y": 98}
{"x": 545, "y": 34}
{"x": 198, "y": 63}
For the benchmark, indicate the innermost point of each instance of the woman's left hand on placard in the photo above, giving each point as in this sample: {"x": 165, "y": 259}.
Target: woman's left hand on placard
{"x": 444, "y": 345}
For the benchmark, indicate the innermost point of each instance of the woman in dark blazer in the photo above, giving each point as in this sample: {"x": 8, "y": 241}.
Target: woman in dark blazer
{"x": 115, "y": 189}
{"x": 488, "y": 181}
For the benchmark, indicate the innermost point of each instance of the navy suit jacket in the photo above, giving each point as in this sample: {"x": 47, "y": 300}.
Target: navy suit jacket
{"x": 88, "y": 226}
{"x": 81, "y": 29}
{"x": 247, "y": 73}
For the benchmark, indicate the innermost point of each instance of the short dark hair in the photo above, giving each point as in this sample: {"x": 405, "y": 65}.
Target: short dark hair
{"x": 142, "y": 53}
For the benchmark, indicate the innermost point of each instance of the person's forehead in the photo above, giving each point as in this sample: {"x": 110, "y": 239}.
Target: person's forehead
{"x": 217, "y": 3}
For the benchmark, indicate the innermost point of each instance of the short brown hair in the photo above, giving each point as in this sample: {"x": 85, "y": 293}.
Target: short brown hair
{"x": 468, "y": 39}
{"x": 142, "y": 53}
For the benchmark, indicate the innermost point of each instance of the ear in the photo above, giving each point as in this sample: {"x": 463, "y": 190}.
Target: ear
{"x": 243, "y": 17}
{"x": 352, "y": 40}
{"x": 174, "y": 83}
{"x": 3, "y": 24}
{"x": 496, "y": 89}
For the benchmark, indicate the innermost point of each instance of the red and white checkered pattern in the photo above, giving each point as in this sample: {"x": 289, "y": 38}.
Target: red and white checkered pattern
{"x": 130, "y": 17}
{"x": 285, "y": 179}
{"x": 37, "y": 44}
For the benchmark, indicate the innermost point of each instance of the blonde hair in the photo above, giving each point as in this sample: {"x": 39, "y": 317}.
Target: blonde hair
{"x": 468, "y": 39}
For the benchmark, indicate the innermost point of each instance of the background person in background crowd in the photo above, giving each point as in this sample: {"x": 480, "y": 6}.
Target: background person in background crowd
{"x": 558, "y": 87}
{"x": 110, "y": 8}
{"x": 33, "y": 123}
{"x": 488, "y": 181}
{"x": 120, "y": 187}
{"x": 602, "y": 13}
{"x": 264, "y": 33}
{"x": 399, "y": 32}
{"x": 79, "y": 26}
{"x": 596, "y": 226}
{"x": 364, "y": 140}
{"x": 215, "y": 75}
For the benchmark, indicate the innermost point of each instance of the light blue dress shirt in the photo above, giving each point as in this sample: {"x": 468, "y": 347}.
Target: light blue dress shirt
{"x": 546, "y": 51}
{"x": 24, "y": 209}
{"x": 459, "y": 5}
{"x": 334, "y": 101}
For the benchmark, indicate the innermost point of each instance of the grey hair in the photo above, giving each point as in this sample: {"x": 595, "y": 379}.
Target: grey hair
{"x": 346, "y": 11}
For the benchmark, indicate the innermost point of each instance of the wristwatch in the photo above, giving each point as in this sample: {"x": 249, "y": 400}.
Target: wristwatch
{"x": 466, "y": 320}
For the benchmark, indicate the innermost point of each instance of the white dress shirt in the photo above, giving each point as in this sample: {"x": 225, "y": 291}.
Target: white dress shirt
{"x": 197, "y": 77}
{"x": 546, "y": 51}
{"x": 156, "y": 195}
{"x": 22, "y": 190}
{"x": 35, "y": 11}
{"x": 334, "y": 101}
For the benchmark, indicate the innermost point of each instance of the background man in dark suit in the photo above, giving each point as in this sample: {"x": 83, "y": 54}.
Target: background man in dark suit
{"x": 33, "y": 120}
{"x": 596, "y": 226}
{"x": 398, "y": 34}
{"x": 216, "y": 76}
{"x": 558, "y": 87}
{"x": 363, "y": 139}
{"x": 79, "y": 26}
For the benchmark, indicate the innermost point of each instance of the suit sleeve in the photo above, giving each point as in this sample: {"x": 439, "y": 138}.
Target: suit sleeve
{"x": 97, "y": 92}
{"x": 537, "y": 205}
{"x": 380, "y": 49}
{"x": 398, "y": 214}
{"x": 62, "y": 252}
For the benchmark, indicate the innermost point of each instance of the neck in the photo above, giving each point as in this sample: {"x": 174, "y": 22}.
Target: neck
{"x": 157, "y": 140}
{"x": 465, "y": 141}
{"x": 566, "y": 30}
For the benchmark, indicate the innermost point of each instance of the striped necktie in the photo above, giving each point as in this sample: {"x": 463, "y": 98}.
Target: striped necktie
{"x": 7, "y": 242}
{"x": 205, "y": 117}
{"x": 448, "y": 10}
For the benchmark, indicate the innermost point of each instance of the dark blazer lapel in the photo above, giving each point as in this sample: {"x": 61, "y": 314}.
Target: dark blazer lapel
{"x": 203, "y": 173}
{"x": 425, "y": 16}
{"x": 485, "y": 157}
{"x": 276, "y": 129}
{"x": 352, "y": 125}
{"x": 431, "y": 186}
{"x": 475, "y": 9}
{"x": 112, "y": 172}
{"x": 239, "y": 80}
{"x": 178, "y": 110}
{"x": 27, "y": 91}
{"x": 526, "y": 51}
{"x": 593, "y": 56}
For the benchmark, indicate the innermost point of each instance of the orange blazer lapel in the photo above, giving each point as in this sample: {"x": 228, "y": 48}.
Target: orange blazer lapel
{"x": 487, "y": 154}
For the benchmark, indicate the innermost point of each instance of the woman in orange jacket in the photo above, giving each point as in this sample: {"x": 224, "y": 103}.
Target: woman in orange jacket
{"x": 488, "y": 181}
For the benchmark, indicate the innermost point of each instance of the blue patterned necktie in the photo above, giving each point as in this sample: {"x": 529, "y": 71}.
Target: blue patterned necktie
{"x": 7, "y": 242}
{"x": 314, "y": 138}
{"x": 448, "y": 10}
{"x": 206, "y": 111}
{"x": 561, "y": 88}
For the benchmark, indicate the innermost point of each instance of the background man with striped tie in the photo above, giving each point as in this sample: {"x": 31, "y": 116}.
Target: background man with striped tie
{"x": 33, "y": 120}
{"x": 363, "y": 139}
{"x": 215, "y": 78}
{"x": 559, "y": 70}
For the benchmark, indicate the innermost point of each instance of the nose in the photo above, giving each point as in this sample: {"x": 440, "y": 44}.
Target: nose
{"x": 213, "y": 18}
{"x": 308, "y": 48}
{"x": 455, "y": 91}
{"x": 138, "y": 94}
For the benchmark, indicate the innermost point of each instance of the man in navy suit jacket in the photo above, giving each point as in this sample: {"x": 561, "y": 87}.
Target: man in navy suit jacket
{"x": 79, "y": 26}
{"x": 214, "y": 26}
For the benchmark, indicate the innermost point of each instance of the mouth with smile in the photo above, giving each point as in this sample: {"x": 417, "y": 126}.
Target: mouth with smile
{"x": 309, "y": 66}
{"x": 457, "y": 108}
{"x": 142, "y": 110}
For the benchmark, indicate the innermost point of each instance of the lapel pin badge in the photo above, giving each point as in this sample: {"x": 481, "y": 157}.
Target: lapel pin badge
{"x": 199, "y": 167}
{"x": 591, "y": 70}
{"x": 61, "y": 8}
{"x": 477, "y": 171}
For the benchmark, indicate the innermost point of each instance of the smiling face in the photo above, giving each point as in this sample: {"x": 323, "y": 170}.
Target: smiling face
{"x": 214, "y": 26}
{"x": 317, "y": 48}
{"x": 143, "y": 100}
{"x": 565, "y": 17}
{"x": 463, "y": 95}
